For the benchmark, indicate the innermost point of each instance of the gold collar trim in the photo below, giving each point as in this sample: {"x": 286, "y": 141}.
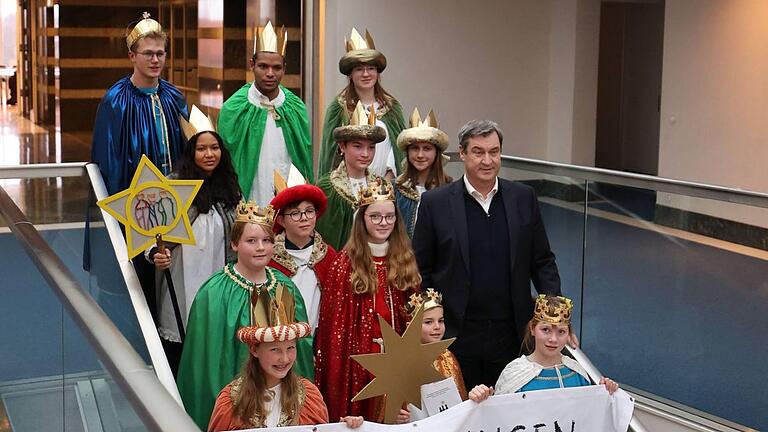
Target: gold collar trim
{"x": 286, "y": 419}
{"x": 408, "y": 190}
{"x": 282, "y": 257}
{"x": 247, "y": 285}
{"x": 381, "y": 110}
{"x": 339, "y": 179}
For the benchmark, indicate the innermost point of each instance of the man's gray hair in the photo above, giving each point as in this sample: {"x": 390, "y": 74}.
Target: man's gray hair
{"x": 475, "y": 128}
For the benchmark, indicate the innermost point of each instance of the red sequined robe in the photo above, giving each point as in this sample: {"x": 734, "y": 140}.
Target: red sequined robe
{"x": 348, "y": 326}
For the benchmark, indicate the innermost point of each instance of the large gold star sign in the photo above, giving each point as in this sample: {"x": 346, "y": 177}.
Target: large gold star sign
{"x": 153, "y": 205}
{"x": 402, "y": 368}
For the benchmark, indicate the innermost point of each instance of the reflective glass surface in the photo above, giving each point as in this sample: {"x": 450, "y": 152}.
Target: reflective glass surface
{"x": 672, "y": 309}
{"x": 50, "y": 377}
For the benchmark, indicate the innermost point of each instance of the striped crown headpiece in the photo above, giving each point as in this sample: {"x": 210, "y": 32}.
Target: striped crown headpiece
{"x": 273, "y": 317}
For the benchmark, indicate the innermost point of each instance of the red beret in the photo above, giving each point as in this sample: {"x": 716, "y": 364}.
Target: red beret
{"x": 299, "y": 193}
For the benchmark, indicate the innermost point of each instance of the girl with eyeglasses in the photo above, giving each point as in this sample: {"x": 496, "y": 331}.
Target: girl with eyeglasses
{"x": 373, "y": 275}
{"x": 363, "y": 65}
{"x": 300, "y": 252}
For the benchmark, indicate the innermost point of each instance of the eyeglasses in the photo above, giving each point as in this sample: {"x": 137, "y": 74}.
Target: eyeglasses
{"x": 365, "y": 68}
{"x": 379, "y": 218}
{"x": 296, "y": 216}
{"x": 148, "y": 55}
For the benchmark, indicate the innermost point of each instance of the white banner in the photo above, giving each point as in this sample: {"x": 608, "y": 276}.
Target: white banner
{"x": 577, "y": 409}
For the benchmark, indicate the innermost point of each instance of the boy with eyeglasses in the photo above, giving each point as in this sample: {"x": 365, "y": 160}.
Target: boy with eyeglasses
{"x": 140, "y": 113}
{"x": 300, "y": 252}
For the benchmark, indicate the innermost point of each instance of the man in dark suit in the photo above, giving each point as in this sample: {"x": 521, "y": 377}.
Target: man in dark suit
{"x": 480, "y": 241}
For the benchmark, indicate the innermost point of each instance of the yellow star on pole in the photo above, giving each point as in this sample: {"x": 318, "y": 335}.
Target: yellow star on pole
{"x": 153, "y": 205}
{"x": 403, "y": 368}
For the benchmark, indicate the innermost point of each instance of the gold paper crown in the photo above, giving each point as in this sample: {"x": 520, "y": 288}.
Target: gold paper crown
{"x": 361, "y": 126}
{"x": 359, "y": 117}
{"x": 361, "y": 51}
{"x": 249, "y": 212}
{"x": 429, "y": 121}
{"x": 429, "y": 298}
{"x": 146, "y": 25}
{"x": 553, "y": 309}
{"x": 357, "y": 42}
{"x": 294, "y": 179}
{"x": 198, "y": 123}
{"x": 267, "y": 40}
{"x": 269, "y": 309}
{"x": 423, "y": 131}
{"x": 377, "y": 190}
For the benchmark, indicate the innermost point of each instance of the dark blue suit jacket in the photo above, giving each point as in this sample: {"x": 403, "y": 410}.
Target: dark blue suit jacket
{"x": 441, "y": 244}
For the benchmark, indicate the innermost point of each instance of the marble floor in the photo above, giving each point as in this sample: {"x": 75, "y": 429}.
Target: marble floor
{"x": 45, "y": 200}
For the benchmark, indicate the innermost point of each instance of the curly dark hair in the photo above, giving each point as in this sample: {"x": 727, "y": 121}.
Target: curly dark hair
{"x": 220, "y": 187}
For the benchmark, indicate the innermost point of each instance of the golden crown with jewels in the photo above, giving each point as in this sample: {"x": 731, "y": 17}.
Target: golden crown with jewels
{"x": 249, "y": 212}
{"x": 145, "y": 26}
{"x": 430, "y": 299}
{"x": 377, "y": 190}
{"x": 553, "y": 309}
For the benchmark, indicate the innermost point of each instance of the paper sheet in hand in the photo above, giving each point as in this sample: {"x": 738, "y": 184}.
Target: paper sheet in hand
{"x": 439, "y": 396}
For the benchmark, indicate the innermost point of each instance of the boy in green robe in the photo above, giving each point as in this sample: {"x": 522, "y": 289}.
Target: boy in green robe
{"x": 264, "y": 125}
{"x": 212, "y": 355}
{"x": 357, "y": 143}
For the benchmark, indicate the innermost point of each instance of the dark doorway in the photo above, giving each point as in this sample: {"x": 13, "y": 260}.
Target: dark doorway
{"x": 629, "y": 85}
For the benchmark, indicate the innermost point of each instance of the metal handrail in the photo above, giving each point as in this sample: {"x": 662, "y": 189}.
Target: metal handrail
{"x": 682, "y": 414}
{"x": 132, "y": 284}
{"x": 642, "y": 181}
{"x": 43, "y": 170}
{"x": 152, "y": 403}
{"x": 595, "y": 375}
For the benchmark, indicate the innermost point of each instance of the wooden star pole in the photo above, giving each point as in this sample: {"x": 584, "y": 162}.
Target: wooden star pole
{"x": 171, "y": 290}
{"x": 160, "y": 223}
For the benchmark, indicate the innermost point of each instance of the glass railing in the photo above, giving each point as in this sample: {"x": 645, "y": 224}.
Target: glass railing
{"x": 74, "y": 357}
{"x": 669, "y": 279}
{"x": 670, "y": 295}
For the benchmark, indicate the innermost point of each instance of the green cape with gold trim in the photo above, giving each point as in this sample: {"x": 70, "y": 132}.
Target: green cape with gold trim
{"x": 336, "y": 222}
{"x": 336, "y": 115}
{"x": 213, "y": 355}
{"x": 242, "y": 124}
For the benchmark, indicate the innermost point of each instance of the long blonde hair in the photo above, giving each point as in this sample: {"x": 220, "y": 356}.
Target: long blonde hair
{"x": 253, "y": 394}
{"x": 402, "y": 272}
